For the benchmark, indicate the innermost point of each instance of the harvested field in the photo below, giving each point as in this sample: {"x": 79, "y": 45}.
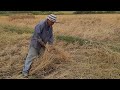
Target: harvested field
{"x": 87, "y": 46}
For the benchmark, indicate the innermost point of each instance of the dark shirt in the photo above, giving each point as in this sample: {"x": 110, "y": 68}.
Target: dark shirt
{"x": 44, "y": 32}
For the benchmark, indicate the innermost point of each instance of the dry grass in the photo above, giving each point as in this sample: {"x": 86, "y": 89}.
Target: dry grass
{"x": 22, "y": 16}
{"x": 96, "y": 60}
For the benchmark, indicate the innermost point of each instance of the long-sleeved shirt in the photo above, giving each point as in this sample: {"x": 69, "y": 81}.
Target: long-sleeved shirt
{"x": 42, "y": 32}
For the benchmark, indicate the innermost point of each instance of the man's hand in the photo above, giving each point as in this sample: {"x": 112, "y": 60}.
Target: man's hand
{"x": 41, "y": 42}
{"x": 50, "y": 48}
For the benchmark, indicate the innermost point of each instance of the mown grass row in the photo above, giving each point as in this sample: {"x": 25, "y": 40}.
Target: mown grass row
{"x": 71, "y": 39}
{"x": 115, "y": 48}
{"x": 17, "y": 29}
{"x": 80, "y": 41}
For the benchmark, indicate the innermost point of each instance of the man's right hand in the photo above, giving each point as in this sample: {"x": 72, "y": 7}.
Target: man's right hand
{"x": 50, "y": 48}
{"x": 41, "y": 42}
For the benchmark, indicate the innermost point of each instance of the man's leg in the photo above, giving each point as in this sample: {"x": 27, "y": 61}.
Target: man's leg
{"x": 31, "y": 55}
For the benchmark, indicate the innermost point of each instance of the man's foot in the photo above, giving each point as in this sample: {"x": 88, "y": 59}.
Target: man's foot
{"x": 25, "y": 75}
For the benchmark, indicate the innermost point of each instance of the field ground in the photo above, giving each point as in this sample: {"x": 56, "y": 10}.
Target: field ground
{"x": 87, "y": 47}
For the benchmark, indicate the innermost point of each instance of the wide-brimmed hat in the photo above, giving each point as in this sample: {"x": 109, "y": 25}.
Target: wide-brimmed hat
{"x": 52, "y": 18}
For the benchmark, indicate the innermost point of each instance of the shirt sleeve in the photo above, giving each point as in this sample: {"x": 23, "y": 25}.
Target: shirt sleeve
{"x": 38, "y": 30}
{"x": 51, "y": 39}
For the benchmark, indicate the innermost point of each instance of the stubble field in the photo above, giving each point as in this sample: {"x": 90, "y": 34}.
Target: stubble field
{"x": 87, "y": 46}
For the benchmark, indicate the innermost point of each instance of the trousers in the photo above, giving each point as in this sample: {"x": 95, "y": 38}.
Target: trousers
{"x": 32, "y": 54}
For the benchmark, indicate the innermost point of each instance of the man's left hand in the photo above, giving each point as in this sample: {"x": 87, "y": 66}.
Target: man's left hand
{"x": 50, "y": 48}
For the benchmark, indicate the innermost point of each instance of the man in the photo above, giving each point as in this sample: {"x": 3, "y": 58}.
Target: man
{"x": 42, "y": 35}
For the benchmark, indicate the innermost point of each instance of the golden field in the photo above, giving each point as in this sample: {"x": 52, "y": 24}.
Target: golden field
{"x": 99, "y": 59}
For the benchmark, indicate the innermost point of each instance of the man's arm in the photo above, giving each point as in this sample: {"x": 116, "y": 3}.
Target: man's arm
{"x": 51, "y": 39}
{"x": 38, "y": 31}
{"x": 50, "y": 42}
